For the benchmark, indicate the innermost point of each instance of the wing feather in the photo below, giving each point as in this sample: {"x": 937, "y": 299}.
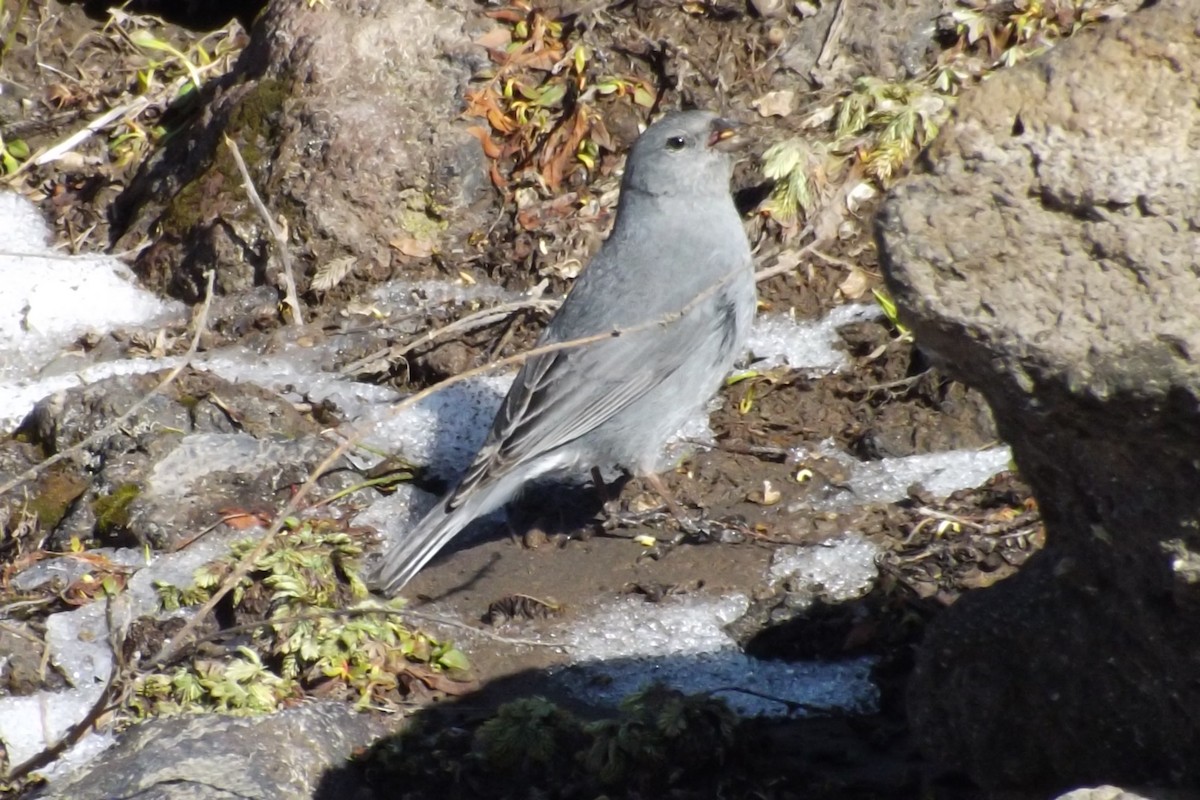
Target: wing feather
{"x": 538, "y": 415}
{"x": 546, "y": 407}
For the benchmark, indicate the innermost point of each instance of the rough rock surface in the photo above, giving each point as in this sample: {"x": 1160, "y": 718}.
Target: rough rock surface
{"x": 835, "y": 50}
{"x": 283, "y": 756}
{"x": 347, "y": 115}
{"x": 1049, "y": 254}
{"x": 159, "y": 479}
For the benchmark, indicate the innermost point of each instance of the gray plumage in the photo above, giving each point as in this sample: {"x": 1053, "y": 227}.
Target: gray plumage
{"x": 677, "y": 255}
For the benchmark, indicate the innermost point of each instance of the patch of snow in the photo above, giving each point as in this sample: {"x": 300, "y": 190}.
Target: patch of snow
{"x": 443, "y": 430}
{"x": 298, "y": 373}
{"x": 746, "y": 684}
{"x": 887, "y": 479}
{"x": 30, "y": 724}
{"x": 814, "y": 346}
{"x": 50, "y": 299}
{"x": 201, "y": 454}
{"x": 633, "y": 627}
{"x": 67, "y": 569}
{"x": 78, "y": 642}
{"x": 396, "y": 514}
{"x": 841, "y": 568}
{"x": 626, "y": 644}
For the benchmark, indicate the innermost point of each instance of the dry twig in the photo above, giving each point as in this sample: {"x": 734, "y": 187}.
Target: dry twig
{"x": 471, "y": 322}
{"x": 285, "y": 258}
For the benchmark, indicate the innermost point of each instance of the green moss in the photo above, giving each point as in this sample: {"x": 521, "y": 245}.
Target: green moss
{"x": 420, "y": 216}
{"x": 258, "y": 113}
{"x": 184, "y": 211}
{"x": 112, "y": 510}
{"x": 56, "y": 492}
{"x": 253, "y": 122}
{"x": 187, "y": 400}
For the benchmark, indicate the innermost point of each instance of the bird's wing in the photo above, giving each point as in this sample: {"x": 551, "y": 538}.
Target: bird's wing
{"x": 564, "y": 394}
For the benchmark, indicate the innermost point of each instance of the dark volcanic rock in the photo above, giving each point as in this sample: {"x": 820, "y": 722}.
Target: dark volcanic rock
{"x": 1049, "y": 254}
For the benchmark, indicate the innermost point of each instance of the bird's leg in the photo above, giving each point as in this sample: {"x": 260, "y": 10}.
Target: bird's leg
{"x": 601, "y": 489}
{"x": 615, "y": 516}
{"x": 686, "y": 523}
{"x": 703, "y": 528}
{"x": 609, "y": 508}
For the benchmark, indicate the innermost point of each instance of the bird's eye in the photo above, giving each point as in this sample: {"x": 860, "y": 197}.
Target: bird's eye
{"x": 676, "y": 143}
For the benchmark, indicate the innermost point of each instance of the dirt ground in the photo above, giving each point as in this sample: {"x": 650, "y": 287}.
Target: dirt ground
{"x": 891, "y": 403}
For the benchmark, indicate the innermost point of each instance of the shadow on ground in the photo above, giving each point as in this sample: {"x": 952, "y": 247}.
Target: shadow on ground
{"x": 524, "y": 735}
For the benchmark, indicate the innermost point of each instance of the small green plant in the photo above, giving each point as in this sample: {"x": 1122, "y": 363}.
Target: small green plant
{"x": 164, "y": 72}
{"x": 871, "y": 134}
{"x": 661, "y": 732}
{"x": 798, "y": 168}
{"x": 1026, "y": 28}
{"x": 661, "y": 743}
{"x": 892, "y": 314}
{"x": 176, "y": 58}
{"x": 889, "y": 122}
{"x": 319, "y": 630}
{"x": 12, "y": 153}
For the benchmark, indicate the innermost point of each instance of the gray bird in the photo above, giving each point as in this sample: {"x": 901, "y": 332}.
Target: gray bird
{"x": 677, "y": 270}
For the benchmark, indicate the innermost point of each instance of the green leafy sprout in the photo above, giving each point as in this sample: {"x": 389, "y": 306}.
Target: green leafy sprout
{"x": 12, "y": 153}
{"x": 892, "y": 314}
{"x": 874, "y": 131}
{"x": 319, "y": 629}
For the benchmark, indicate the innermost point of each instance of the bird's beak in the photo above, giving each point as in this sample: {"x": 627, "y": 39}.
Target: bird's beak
{"x": 724, "y": 135}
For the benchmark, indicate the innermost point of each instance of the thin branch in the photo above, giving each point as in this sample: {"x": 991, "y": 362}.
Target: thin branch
{"x": 471, "y": 322}
{"x": 942, "y": 516}
{"x": 791, "y": 705}
{"x": 784, "y": 267}
{"x": 80, "y": 136}
{"x": 840, "y": 262}
{"x": 201, "y": 322}
{"x": 285, "y": 258}
{"x": 342, "y": 613}
{"x": 438, "y": 619}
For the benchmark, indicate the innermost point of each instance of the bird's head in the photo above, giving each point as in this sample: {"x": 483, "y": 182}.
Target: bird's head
{"x": 686, "y": 152}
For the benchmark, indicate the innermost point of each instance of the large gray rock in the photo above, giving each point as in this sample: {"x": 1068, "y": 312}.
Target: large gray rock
{"x": 282, "y": 756}
{"x": 348, "y": 115}
{"x": 1049, "y": 254}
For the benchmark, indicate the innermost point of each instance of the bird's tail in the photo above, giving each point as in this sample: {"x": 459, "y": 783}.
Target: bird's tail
{"x": 405, "y": 557}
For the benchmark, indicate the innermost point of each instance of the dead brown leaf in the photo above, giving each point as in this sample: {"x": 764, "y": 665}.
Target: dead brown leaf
{"x": 497, "y": 38}
{"x": 413, "y": 247}
{"x": 775, "y": 104}
{"x": 490, "y": 148}
{"x": 558, "y": 153}
{"x": 855, "y": 284}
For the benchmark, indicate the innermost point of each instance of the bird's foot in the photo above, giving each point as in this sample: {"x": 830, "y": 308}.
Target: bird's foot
{"x": 707, "y": 529}
{"x": 697, "y": 531}
{"x": 617, "y": 518}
